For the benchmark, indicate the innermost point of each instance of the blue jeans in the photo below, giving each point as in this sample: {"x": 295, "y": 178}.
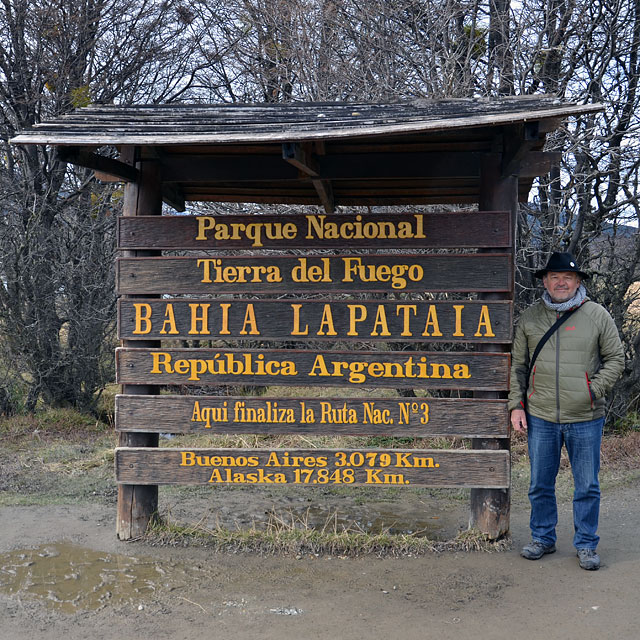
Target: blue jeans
{"x": 582, "y": 440}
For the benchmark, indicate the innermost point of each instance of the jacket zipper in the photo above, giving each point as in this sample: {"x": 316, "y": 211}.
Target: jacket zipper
{"x": 557, "y": 336}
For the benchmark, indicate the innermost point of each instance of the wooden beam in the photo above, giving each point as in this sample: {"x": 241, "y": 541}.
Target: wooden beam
{"x": 138, "y": 503}
{"x": 491, "y": 508}
{"x": 101, "y": 164}
{"x": 469, "y": 196}
{"x": 173, "y": 195}
{"x": 301, "y": 157}
{"x": 348, "y": 166}
{"x": 518, "y": 142}
{"x": 324, "y": 188}
{"x": 325, "y": 193}
{"x": 538, "y": 163}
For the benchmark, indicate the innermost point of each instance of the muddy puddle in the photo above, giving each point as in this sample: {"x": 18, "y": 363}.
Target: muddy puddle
{"x": 70, "y": 578}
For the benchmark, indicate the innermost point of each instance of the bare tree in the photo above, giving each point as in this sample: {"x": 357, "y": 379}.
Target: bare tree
{"x": 56, "y": 224}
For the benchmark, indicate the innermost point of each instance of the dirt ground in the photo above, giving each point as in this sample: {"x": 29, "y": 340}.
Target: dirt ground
{"x": 192, "y": 592}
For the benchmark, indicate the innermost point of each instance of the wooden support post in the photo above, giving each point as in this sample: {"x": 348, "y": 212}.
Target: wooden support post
{"x": 490, "y": 508}
{"x": 301, "y": 157}
{"x": 138, "y": 503}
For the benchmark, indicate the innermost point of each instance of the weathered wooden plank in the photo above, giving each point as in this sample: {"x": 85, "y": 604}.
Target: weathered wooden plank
{"x": 136, "y": 504}
{"x": 127, "y": 127}
{"x": 490, "y": 508}
{"x": 313, "y": 467}
{"x": 401, "y": 417}
{"x": 85, "y": 158}
{"x": 270, "y": 274}
{"x": 434, "y": 370}
{"x": 407, "y": 321}
{"x": 466, "y": 195}
{"x": 400, "y": 188}
{"x": 470, "y": 140}
{"x": 469, "y": 196}
{"x": 430, "y": 230}
{"x": 346, "y": 166}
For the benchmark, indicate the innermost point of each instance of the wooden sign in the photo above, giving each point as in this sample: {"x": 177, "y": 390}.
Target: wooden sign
{"x": 266, "y": 274}
{"x": 314, "y": 467}
{"x": 408, "y": 369}
{"x": 420, "y": 230}
{"x": 406, "y": 321}
{"x": 401, "y": 417}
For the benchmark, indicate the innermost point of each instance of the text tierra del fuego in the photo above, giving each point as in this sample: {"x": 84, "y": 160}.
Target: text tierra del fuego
{"x": 279, "y": 274}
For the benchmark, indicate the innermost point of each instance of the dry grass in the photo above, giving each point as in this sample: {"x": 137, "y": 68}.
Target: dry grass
{"x": 292, "y": 441}
{"x": 621, "y": 452}
{"x": 50, "y": 425}
{"x": 289, "y": 534}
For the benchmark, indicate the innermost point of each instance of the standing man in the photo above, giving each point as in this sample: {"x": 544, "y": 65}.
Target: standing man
{"x": 560, "y": 400}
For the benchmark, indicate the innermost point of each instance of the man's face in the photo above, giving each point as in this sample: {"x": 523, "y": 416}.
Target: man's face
{"x": 561, "y": 285}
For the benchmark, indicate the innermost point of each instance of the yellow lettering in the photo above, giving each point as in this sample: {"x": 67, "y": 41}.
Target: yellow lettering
{"x": 461, "y": 371}
{"x": 296, "y": 322}
{"x": 224, "y": 306}
{"x": 315, "y": 223}
{"x": 381, "y": 321}
{"x": 170, "y": 321}
{"x": 206, "y": 269}
{"x": 188, "y": 459}
{"x": 458, "y": 332}
{"x": 319, "y": 365}
{"x": 204, "y": 224}
{"x": 326, "y": 324}
{"x": 484, "y": 321}
{"x": 437, "y": 367}
{"x": 406, "y": 308}
{"x": 203, "y": 319}
{"x": 143, "y": 318}
{"x": 354, "y": 317}
{"x": 432, "y": 321}
{"x": 161, "y": 359}
{"x": 250, "y": 320}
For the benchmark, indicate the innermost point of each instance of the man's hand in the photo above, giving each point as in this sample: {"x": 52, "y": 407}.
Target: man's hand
{"x": 519, "y": 420}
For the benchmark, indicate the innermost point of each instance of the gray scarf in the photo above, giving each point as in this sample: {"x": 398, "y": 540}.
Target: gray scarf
{"x": 576, "y": 301}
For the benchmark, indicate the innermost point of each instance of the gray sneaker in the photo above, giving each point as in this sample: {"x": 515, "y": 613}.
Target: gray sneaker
{"x": 588, "y": 559}
{"x": 535, "y": 550}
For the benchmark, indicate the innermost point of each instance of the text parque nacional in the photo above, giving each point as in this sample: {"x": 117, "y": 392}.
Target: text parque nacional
{"x": 318, "y": 228}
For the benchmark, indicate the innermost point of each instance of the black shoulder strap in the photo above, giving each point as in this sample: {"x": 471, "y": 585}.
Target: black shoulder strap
{"x": 546, "y": 336}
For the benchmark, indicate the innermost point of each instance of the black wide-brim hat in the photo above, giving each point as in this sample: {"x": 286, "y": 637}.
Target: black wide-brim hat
{"x": 562, "y": 262}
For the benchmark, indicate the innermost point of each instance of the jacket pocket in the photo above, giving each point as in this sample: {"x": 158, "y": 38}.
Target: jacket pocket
{"x": 591, "y": 398}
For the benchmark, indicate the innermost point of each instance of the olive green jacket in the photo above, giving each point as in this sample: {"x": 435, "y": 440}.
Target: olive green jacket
{"x": 574, "y": 370}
